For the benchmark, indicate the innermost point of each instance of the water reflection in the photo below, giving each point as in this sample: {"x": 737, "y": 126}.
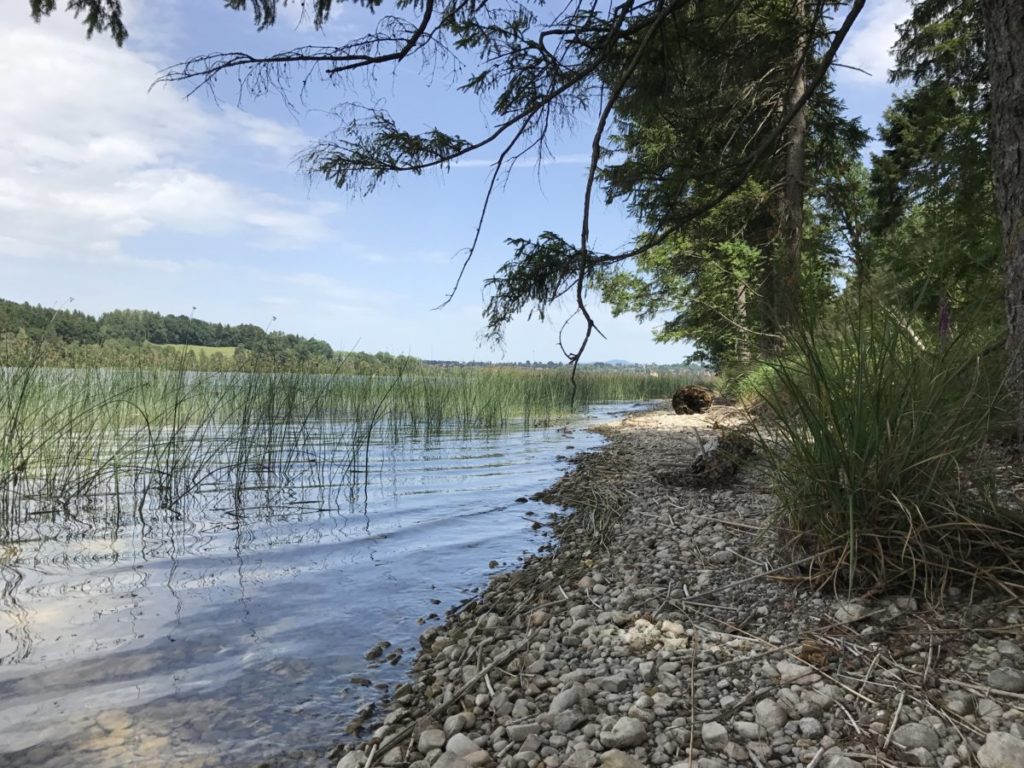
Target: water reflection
{"x": 230, "y": 629}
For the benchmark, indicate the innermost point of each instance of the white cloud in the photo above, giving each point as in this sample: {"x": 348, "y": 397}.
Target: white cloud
{"x": 869, "y": 45}
{"x": 93, "y": 156}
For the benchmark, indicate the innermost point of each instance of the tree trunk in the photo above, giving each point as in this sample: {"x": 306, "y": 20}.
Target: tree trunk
{"x": 1004, "y": 38}
{"x": 791, "y": 202}
{"x": 742, "y": 336}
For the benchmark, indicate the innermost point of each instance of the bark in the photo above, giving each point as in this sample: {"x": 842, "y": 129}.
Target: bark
{"x": 742, "y": 340}
{"x": 791, "y": 203}
{"x": 1004, "y": 38}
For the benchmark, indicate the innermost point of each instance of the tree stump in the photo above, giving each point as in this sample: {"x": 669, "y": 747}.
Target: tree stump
{"x": 691, "y": 399}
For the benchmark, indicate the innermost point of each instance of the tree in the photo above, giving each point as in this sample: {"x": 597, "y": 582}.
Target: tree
{"x": 536, "y": 69}
{"x": 950, "y": 185}
{"x": 935, "y": 221}
{"x": 1004, "y": 35}
{"x": 786, "y": 293}
{"x": 104, "y": 16}
{"x": 734, "y": 115}
{"x": 741, "y": 272}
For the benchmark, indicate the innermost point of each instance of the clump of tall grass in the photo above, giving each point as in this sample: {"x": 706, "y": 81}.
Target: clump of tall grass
{"x": 876, "y": 446}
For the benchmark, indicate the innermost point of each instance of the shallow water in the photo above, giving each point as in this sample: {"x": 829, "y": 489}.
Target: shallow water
{"x": 228, "y": 634}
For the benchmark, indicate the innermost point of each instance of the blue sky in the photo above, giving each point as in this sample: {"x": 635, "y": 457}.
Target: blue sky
{"x": 120, "y": 194}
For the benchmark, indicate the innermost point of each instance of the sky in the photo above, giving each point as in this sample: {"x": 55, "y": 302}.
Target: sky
{"x": 116, "y": 192}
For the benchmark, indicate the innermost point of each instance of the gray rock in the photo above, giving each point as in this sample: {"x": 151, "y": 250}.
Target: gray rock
{"x": 353, "y": 760}
{"x": 647, "y": 671}
{"x": 736, "y": 752}
{"x": 847, "y": 611}
{"x": 460, "y": 744}
{"x": 114, "y": 720}
{"x": 531, "y": 743}
{"x": 520, "y": 731}
{"x": 987, "y": 709}
{"x": 432, "y": 738}
{"x": 1006, "y": 680}
{"x": 913, "y": 735}
{"x": 840, "y": 761}
{"x": 617, "y": 683}
{"x": 900, "y": 605}
{"x": 959, "y": 703}
{"x": 582, "y": 757}
{"x": 393, "y": 756}
{"x": 747, "y": 731}
{"x": 770, "y": 714}
{"x": 500, "y": 704}
{"x": 566, "y": 722}
{"x": 920, "y": 756}
{"x": 521, "y": 709}
{"x": 448, "y": 760}
{"x": 791, "y": 673}
{"x": 620, "y": 618}
{"x": 479, "y": 759}
{"x": 537, "y": 668}
{"x": 567, "y": 699}
{"x": 1001, "y": 750}
{"x": 455, "y": 724}
{"x": 811, "y": 728}
{"x": 673, "y": 628}
{"x": 627, "y": 732}
{"x": 1009, "y": 648}
{"x": 524, "y": 759}
{"x": 714, "y": 735}
{"x": 615, "y": 758}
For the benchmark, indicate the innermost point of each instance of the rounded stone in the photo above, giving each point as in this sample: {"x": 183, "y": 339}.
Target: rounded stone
{"x": 913, "y": 735}
{"x": 1001, "y": 750}
{"x": 1006, "y": 680}
{"x": 714, "y": 735}
{"x": 770, "y": 714}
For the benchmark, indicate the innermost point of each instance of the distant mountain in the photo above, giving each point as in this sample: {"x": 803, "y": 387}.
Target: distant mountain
{"x": 618, "y": 362}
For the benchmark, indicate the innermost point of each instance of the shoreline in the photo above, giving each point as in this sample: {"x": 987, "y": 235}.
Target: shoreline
{"x": 662, "y": 628}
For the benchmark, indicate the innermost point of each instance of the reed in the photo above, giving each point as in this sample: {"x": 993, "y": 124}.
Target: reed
{"x": 144, "y": 439}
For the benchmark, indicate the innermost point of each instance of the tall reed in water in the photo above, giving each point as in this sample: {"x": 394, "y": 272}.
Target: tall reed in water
{"x": 71, "y": 438}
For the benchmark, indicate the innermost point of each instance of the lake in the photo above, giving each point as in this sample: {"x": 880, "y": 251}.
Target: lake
{"x": 231, "y": 629}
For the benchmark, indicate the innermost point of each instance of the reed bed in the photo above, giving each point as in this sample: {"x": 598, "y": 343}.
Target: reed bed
{"x": 76, "y": 441}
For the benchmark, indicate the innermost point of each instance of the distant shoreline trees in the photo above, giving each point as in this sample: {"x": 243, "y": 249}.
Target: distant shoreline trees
{"x": 139, "y": 325}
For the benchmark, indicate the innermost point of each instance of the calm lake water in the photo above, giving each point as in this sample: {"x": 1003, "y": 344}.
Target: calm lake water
{"x": 230, "y": 634}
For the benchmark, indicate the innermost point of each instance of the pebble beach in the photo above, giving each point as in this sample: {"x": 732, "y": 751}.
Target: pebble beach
{"x": 667, "y": 627}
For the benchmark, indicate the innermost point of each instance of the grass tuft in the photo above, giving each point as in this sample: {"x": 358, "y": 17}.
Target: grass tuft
{"x": 877, "y": 451}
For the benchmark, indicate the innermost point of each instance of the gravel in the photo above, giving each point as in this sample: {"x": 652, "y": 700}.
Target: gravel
{"x": 656, "y": 631}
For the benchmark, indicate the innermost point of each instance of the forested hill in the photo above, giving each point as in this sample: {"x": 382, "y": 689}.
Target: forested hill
{"x": 139, "y": 326}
